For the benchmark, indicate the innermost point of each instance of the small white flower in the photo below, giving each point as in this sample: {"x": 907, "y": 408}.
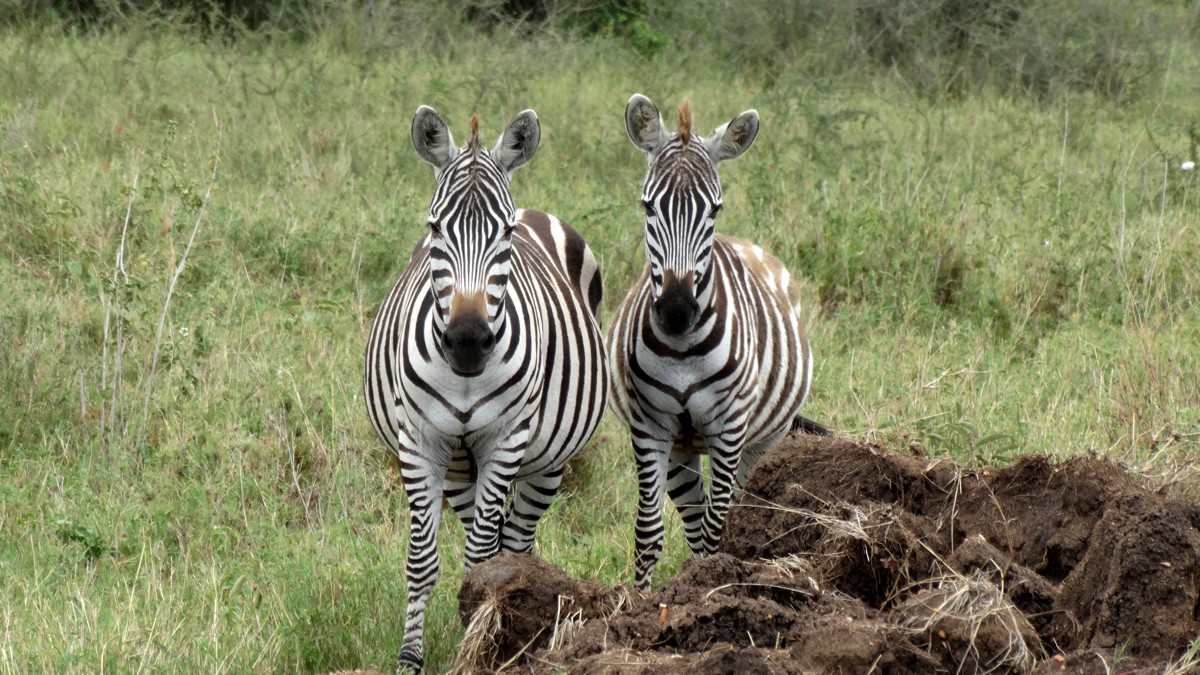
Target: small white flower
{"x": 183, "y": 331}
{"x": 1045, "y": 242}
{"x": 1188, "y": 165}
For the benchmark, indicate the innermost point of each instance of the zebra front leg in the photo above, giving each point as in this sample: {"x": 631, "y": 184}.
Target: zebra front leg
{"x": 723, "y": 469}
{"x": 651, "y": 456}
{"x": 491, "y": 491}
{"x": 533, "y": 496}
{"x": 685, "y": 485}
{"x": 423, "y": 484}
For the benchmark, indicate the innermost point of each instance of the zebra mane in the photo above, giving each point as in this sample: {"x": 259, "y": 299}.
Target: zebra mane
{"x": 685, "y": 120}
{"x": 473, "y": 142}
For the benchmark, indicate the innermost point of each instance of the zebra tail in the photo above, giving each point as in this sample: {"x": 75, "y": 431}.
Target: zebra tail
{"x": 802, "y": 423}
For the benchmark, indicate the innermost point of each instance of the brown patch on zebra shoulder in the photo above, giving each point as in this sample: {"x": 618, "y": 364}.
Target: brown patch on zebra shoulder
{"x": 567, "y": 248}
{"x": 766, "y": 268}
{"x": 761, "y": 264}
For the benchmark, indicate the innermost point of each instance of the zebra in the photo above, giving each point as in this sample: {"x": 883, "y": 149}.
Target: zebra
{"x": 708, "y": 353}
{"x": 485, "y": 366}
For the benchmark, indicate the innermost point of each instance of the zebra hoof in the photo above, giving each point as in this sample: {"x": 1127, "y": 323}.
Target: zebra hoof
{"x": 410, "y": 663}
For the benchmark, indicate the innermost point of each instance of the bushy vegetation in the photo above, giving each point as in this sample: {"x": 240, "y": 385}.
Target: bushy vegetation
{"x": 199, "y": 213}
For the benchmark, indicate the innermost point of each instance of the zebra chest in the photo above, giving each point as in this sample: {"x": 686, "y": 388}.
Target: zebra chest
{"x": 696, "y": 386}
{"x": 442, "y": 404}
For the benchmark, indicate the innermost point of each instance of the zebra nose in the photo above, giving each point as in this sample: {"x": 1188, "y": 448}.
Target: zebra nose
{"x": 467, "y": 344}
{"x": 677, "y": 311}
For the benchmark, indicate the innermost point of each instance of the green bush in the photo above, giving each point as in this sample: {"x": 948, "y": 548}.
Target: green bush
{"x": 1111, "y": 48}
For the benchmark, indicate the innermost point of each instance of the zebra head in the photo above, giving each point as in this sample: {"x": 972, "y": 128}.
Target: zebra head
{"x": 681, "y": 196}
{"x": 471, "y": 222}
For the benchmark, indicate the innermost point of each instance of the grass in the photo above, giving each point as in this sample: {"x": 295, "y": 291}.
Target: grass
{"x": 989, "y": 276}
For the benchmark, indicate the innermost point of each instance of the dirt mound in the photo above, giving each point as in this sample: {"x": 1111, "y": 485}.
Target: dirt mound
{"x": 845, "y": 558}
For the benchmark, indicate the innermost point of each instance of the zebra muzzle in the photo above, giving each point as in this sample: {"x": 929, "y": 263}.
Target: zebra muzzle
{"x": 676, "y": 308}
{"x": 467, "y": 343}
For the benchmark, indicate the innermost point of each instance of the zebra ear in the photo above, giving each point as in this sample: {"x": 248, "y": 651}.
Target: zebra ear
{"x": 432, "y": 138}
{"x": 519, "y": 141}
{"x": 734, "y": 138}
{"x": 644, "y": 124}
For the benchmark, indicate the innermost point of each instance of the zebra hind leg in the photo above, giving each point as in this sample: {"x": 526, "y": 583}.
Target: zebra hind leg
{"x": 685, "y": 485}
{"x": 532, "y": 496}
{"x": 491, "y": 492}
{"x": 460, "y": 487}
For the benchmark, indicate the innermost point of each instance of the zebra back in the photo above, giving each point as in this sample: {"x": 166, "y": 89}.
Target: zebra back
{"x": 566, "y": 247}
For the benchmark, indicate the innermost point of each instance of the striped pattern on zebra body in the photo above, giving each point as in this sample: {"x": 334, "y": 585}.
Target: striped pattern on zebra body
{"x": 708, "y": 352}
{"x": 485, "y": 365}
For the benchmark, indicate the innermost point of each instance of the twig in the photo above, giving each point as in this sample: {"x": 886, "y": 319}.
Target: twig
{"x": 162, "y": 319}
{"x": 1062, "y": 157}
{"x": 801, "y": 591}
{"x": 118, "y": 272}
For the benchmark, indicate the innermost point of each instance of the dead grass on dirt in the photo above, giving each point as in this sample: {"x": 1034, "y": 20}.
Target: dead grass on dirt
{"x": 952, "y": 608}
{"x": 957, "y": 608}
{"x": 1188, "y": 662}
{"x": 479, "y": 644}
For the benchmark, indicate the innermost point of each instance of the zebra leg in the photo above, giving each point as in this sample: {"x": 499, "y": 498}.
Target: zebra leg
{"x": 423, "y": 483}
{"x": 685, "y": 485}
{"x": 533, "y": 496}
{"x": 491, "y": 491}
{"x": 460, "y": 487}
{"x": 723, "y": 467}
{"x": 651, "y": 458}
{"x": 750, "y": 456}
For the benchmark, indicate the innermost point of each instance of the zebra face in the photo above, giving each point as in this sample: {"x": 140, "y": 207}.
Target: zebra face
{"x": 681, "y": 196}
{"x": 681, "y": 199}
{"x": 471, "y": 222}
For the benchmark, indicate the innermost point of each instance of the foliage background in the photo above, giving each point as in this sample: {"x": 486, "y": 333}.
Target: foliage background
{"x": 201, "y": 205}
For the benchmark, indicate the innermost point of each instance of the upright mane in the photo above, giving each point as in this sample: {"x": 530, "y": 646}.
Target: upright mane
{"x": 473, "y": 142}
{"x": 685, "y": 120}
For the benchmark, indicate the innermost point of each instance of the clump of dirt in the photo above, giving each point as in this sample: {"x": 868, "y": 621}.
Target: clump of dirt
{"x": 518, "y": 603}
{"x": 848, "y": 557}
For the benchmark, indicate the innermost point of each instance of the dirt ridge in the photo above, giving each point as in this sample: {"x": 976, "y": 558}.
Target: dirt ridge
{"x": 845, "y": 557}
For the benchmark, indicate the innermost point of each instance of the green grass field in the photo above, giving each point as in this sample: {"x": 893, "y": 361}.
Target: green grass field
{"x": 194, "y": 234}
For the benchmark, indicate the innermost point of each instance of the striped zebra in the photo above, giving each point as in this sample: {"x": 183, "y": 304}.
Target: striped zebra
{"x": 485, "y": 365}
{"x": 708, "y": 352}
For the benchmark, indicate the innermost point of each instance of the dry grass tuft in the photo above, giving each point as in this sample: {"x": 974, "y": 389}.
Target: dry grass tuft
{"x": 974, "y": 611}
{"x": 1188, "y": 662}
{"x": 478, "y": 648}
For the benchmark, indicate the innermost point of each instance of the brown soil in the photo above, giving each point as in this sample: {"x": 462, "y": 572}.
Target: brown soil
{"x": 849, "y": 558}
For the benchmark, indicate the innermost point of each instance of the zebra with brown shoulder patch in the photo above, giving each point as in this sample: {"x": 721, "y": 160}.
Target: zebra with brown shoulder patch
{"x": 708, "y": 352}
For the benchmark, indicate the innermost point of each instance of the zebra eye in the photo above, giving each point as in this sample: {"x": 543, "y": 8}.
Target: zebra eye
{"x": 715, "y": 210}
{"x": 509, "y": 229}
{"x": 436, "y": 227}
{"x": 649, "y": 208}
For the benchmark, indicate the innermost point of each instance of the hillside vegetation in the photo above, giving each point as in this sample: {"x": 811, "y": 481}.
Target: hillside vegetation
{"x": 200, "y": 212}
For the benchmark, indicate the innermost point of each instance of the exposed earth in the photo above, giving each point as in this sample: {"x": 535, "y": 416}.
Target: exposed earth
{"x": 843, "y": 557}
